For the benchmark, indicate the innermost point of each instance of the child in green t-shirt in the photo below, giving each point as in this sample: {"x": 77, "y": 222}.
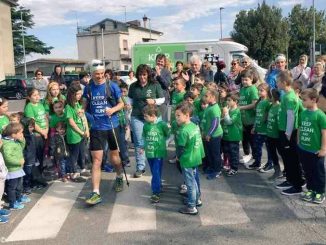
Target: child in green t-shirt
{"x": 56, "y": 115}
{"x": 272, "y": 135}
{"x": 53, "y": 94}
{"x": 287, "y": 125}
{"x": 124, "y": 124}
{"x": 259, "y": 129}
{"x": 312, "y": 146}
{"x": 232, "y": 132}
{"x": 247, "y": 104}
{"x": 77, "y": 130}
{"x": 4, "y": 119}
{"x": 190, "y": 154}
{"x": 222, "y": 92}
{"x": 212, "y": 134}
{"x": 196, "y": 89}
{"x": 155, "y": 133}
{"x": 178, "y": 94}
{"x": 34, "y": 109}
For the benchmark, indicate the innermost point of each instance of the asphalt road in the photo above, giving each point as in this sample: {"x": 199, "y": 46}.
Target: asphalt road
{"x": 16, "y": 105}
{"x": 244, "y": 209}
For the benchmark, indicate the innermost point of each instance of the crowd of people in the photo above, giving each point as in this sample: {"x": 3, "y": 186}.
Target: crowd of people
{"x": 207, "y": 115}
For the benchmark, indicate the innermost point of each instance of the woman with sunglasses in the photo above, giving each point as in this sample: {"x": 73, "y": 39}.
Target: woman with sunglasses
{"x": 234, "y": 74}
{"x": 40, "y": 83}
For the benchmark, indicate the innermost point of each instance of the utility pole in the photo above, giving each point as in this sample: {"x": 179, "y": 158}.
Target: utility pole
{"x": 23, "y": 36}
{"x": 102, "y": 30}
{"x": 314, "y": 36}
{"x": 221, "y": 28}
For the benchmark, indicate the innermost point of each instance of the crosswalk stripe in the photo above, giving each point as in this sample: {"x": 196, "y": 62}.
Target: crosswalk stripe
{"x": 47, "y": 216}
{"x": 220, "y": 205}
{"x": 132, "y": 210}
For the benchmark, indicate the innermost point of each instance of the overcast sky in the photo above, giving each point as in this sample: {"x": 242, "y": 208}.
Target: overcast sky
{"x": 56, "y": 20}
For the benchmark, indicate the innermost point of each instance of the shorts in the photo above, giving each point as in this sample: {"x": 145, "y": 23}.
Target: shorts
{"x": 99, "y": 138}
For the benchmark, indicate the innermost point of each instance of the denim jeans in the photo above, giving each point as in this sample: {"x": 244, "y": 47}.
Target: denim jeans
{"x": 156, "y": 169}
{"x": 259, "y": 140}
{"x": 77, "y": 154}
{"x": 123, "y": 145}
{"x": 214, "y": 154}
{"x": 189, "y": 175}
{"x": 14, "y": 190}
{"x": 231, "y": 148}
{"x": 137, "y": 131}
{"x": 63, "y": 164}
{"x": 2, "y": 188}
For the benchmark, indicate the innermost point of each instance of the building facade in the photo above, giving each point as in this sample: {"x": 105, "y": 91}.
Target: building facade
{"x": 112, "y": 41}
{"x": 7, "y": 63}
{"x": 47, "y": 66}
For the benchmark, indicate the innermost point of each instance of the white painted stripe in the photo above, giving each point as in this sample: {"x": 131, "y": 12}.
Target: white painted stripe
{"x": 220, "y": 205}
{"x": 132, "y": 210}
{"x": 46, "y": 218}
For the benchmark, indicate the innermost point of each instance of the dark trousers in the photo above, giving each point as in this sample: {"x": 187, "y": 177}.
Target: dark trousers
{"x": 40, "y": 145}
{"x": 314, "y": 170}
{"x": 214, "y": 154}
{"x": 28, "y": 178}
{"x": 248, "y": 139}
{"x": 14, "y": 190}
{"x": 77, "y": 154}
{"x": 259, "y": 141}
{"x": 273, "y": 147}
{"x": 290, "y": 159}
{"x": 155, "y": 165}
{"x": 231, "y": 148}
{"x": 123, "y": 144}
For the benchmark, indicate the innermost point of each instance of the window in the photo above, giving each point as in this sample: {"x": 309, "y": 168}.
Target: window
{"x": 178, "y": 55}
{"x": 126, "y": 68}
{"x": 125, "y": 44}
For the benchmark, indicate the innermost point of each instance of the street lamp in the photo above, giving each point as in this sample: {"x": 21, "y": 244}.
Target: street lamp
{"x": 221, "y": 8}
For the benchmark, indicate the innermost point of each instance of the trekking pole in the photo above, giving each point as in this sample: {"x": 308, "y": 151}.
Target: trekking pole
{"x": 116, "y": 142}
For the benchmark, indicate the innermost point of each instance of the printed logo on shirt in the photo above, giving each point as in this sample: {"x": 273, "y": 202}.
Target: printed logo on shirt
{"x": 149, "y": 93}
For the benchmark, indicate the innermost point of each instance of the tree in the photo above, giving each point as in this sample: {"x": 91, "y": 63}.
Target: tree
{"x": 32, "y": 43}
{"x": 301, "y": 30}
{"x": 263, "y": 30}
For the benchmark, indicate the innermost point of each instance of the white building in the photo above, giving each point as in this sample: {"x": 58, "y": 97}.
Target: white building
{"x": 117, "y": 38}
{"x": 7, "y": 63}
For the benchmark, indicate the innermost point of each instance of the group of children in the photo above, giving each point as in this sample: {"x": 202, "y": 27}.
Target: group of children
{"x": 54, "y": 128}
{"x": 209, "y": 122}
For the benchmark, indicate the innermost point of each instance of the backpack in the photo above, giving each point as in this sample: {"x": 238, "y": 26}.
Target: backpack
{"x": 110, "y": 99}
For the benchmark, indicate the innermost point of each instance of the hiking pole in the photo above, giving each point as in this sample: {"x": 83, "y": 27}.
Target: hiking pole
{"x": 116, "y": 142}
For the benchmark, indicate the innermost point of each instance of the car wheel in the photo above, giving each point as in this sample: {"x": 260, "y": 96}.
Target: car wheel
{"x": 19, "y": 96}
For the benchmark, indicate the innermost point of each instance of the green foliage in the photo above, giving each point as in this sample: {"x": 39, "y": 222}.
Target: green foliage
{"x": 263, "y": 31}
{"x": 32, "y": 43}
{"x": 301, "y": 30}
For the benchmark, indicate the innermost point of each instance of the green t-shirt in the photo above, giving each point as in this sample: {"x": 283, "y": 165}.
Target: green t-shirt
{"x": 188, "y": 136}
{"x": 177, "y": 98}
{"x": 4, "y": 121}
{"x": 311, "y": 124}
{"x": 47, "y": 105}
{"x": 54, "y": 119}
{"x": 140, "y": 94}
{"x": 197, "y": 107}
{"x": 37, "y": 112}
{"x": 222, "y": 103}
{"x": 289, "y": 101}
{"x": 233, "y": 131}
{"x": 202, "y": 92}
{"x": 247, "y": 96}
{"x": 155, "y": 135}
{"x": 272, "y": 124}
{"x": 72, "y": 112}
{"x": 212, "y": 112}
{"x": 262, "y": 109}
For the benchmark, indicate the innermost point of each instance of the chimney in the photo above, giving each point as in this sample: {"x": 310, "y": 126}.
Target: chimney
{"x": 145, "y": 19}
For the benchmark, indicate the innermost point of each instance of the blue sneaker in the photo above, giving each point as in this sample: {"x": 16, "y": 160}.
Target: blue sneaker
{"x": 3, "y": 219}
{"x": 4, "y": 212}
{"x": 24, "y": 199}
{"x": 213, "y": 175}
{"x": 16, "y": 206}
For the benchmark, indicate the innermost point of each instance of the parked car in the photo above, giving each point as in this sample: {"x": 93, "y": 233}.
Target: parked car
{"x": 14, "y": 88}
{"x": 70, "y": 77}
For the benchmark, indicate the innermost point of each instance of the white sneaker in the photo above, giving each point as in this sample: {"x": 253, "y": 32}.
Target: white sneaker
{"x": 245, "y": 159}
{"x": 173, "y": 161}
{"x": 183, "y": 189}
